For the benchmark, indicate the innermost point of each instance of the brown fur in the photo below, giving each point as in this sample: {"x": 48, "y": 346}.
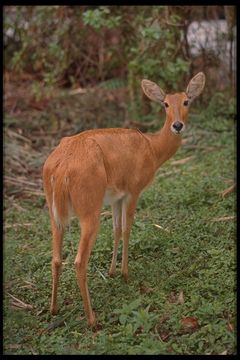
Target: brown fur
{"x": 115, "y": 164}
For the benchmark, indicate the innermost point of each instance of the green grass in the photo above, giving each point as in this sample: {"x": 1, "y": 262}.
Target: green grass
{"x": 196, "y": 257}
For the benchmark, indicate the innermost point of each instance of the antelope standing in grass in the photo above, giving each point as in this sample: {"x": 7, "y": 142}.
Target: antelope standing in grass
{"x": 111, "y": 166}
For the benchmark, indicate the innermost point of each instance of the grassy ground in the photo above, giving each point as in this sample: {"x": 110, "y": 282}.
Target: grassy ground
{"x": 181, "y": 294}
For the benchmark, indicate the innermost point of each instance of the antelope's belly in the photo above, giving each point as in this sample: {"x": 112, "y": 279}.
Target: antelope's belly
{"x": 111, "y": 197}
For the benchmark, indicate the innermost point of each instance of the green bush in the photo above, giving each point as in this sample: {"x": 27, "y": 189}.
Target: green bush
{"x": 70, "y": 44}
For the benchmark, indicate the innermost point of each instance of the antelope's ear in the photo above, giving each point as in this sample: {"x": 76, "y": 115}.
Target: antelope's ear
{"x": 195, "y": 86}
{"x": 153, "y": 91}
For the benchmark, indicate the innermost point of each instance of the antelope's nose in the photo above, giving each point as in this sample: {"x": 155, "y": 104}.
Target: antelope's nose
{"x": 177, "y": 125}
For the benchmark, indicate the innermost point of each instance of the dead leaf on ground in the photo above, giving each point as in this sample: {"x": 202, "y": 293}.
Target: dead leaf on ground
{"x": 230, "y": 327}
{"x": 68, "y": 301}
{"x": 161, "y": 330}
{"x": 189, "y": 324}
{"x": 176, "y": 298}
{"x": 96, "y": 328}
{"x": 139, "y": 331}
{"x": 164, "y": 318}
{"x": 224, "y": 352}
{"x": 146, "y": 290}
{"x": 164, "y": 336}
{"x": 78, "y": 91}
{"x": 180, "y": 298}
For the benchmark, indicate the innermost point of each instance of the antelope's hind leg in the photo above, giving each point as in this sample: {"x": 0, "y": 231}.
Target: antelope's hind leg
{"x": 57, "y": 240}
{"x": 89, "y": 222}
{"x": 87, "y": 184}
{"x": 87, "y": 205}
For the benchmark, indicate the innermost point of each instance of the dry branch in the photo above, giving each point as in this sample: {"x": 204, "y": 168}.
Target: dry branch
{"x": 182, "y": 161}
{"x": 8, "y": 226}
{"x": 19, "y": 303}
{"x": 35, "y": 193}
{"x": 18, "y": 136}
{"x": 106, "y": 213}
{"x": 162, "y": 228}
{"x": 224, "y": 218}
{"x": 18, "y": 180}
{"x": 228, "y": 191}
{"x": 167, "y": 173}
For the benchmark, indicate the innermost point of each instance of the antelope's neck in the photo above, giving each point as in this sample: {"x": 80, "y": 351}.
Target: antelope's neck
{"x": 164, "y": 144}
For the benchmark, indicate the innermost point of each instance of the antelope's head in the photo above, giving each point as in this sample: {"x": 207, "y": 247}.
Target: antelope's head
{"x": 176, "y": 105}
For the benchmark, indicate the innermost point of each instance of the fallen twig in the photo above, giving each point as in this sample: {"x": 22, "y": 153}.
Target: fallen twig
{"x": 18, "y": 136}
{"x": 77, "y": 91}
{"x": 28, "y": 285}
{"x": 100, "y": 273}
{"x": 182, "y": 161}
{"x": 37, "y": 193}
{"x": 209, "y": 148}
{"x": 7, "y": 226}
{"x": 168, "y": 173}
{"x": 224, "y": 218}
{"x": 17, "y": 206}
{"x": 228, "y": 190}
{"x": 106, "y": 213}
{"x": 162, "y": 228}
{"x": 18, "y": 180}
{"x": 19, "y": 303}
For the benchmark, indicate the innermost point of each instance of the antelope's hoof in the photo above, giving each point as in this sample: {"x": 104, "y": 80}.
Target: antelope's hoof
{"x": 92, "y": 320}
{"x": 125, "y": 276}
{"x": 112, "y": 273}
{"x": 54, "y": 310}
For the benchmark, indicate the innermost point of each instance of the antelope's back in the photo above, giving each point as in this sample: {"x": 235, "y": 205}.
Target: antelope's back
{"x": 126, "y": 155}
{"x": 128, "y": 158}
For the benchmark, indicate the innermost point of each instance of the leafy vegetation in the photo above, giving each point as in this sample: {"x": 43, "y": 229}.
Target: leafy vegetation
{"x": 147, "y": 35}
{"x": 84, "y": 45}
{"x": 181, "y": 295}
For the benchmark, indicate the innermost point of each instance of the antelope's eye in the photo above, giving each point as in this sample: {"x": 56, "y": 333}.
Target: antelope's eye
{"x": 166, "y": 104}
{"x": 185, "y": 103}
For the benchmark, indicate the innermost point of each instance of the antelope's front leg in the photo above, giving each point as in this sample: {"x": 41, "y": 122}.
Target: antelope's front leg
{"x": 128, "y": 210}
{"x": 89, "y": 229}
{"x": 117, "y": 229}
